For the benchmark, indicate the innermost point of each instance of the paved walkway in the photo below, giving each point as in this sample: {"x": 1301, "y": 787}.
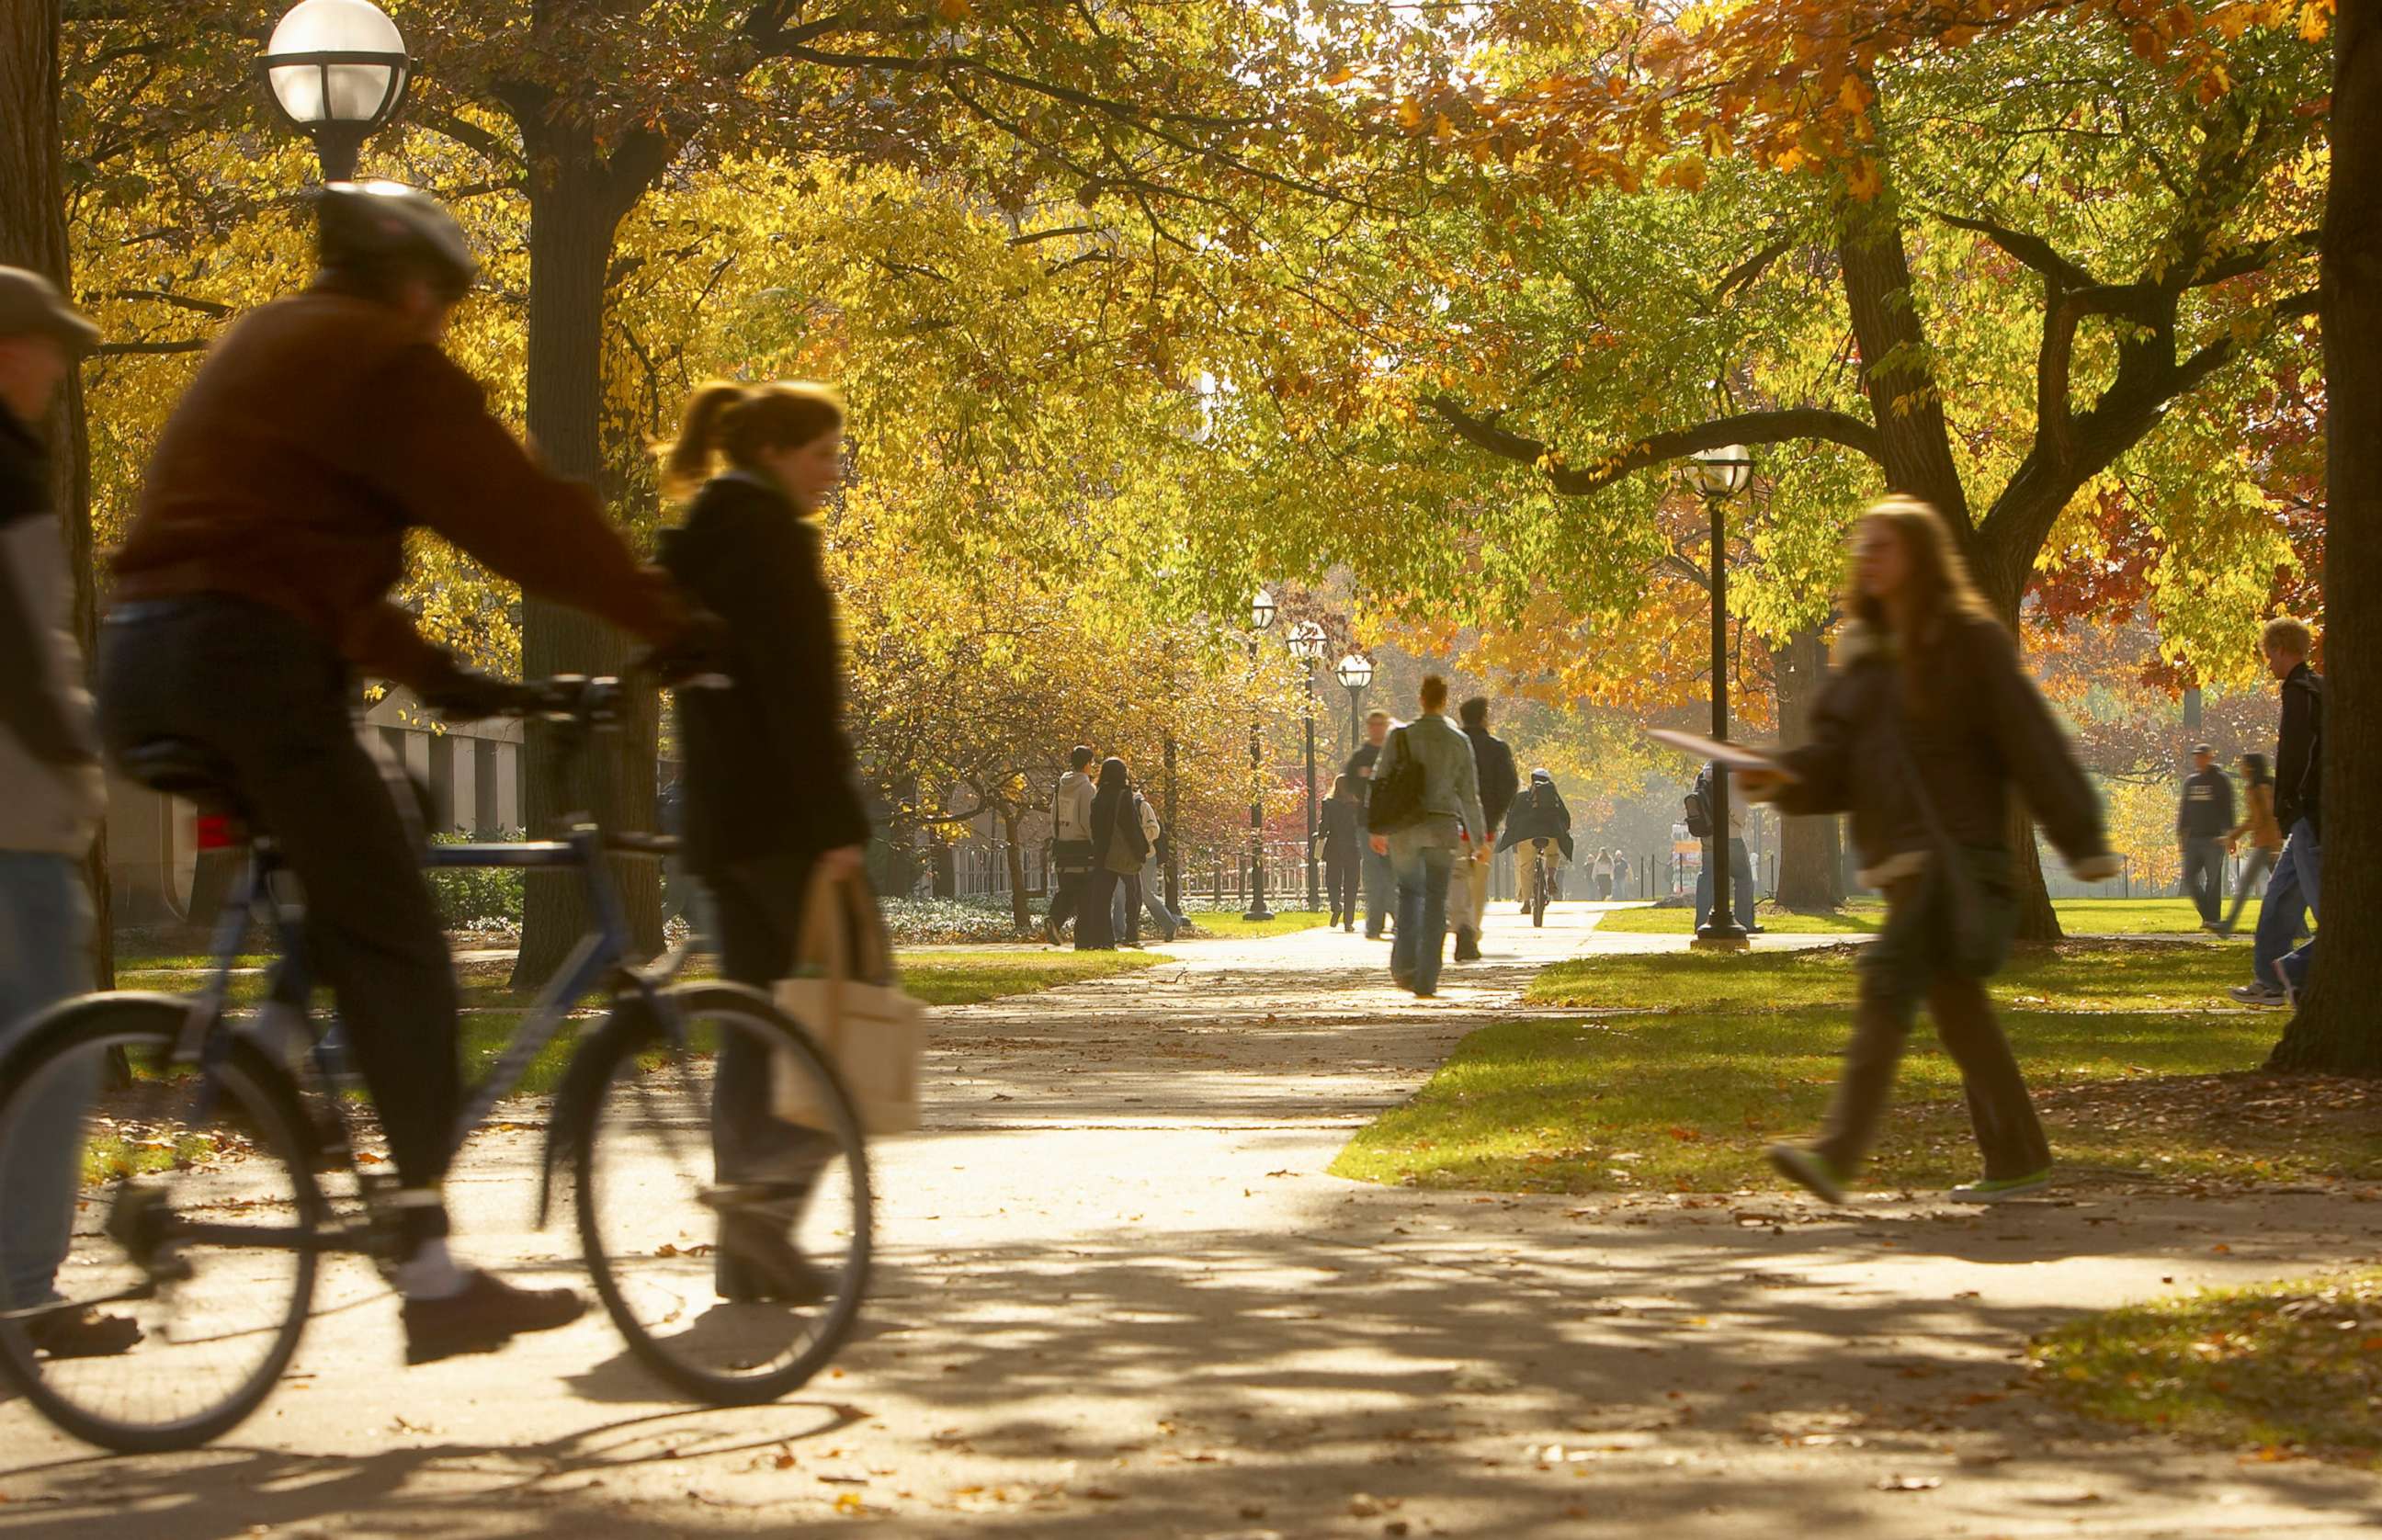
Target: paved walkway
{"x": 1122, "y": 1298}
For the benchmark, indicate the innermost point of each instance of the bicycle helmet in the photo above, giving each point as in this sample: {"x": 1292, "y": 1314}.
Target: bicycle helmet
{"x": 372, "y": 233}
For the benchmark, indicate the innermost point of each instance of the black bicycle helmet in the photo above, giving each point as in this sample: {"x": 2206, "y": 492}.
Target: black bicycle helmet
{"x": 372, "y": 233}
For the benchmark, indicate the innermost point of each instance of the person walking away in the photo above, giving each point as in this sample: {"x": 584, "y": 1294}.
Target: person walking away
{"x": 1620, "y": 875}
{"x": 2293, "y": 891}
{"x": 1492, "y": 763}
{"x": 49, "y": 761}
{"x": 2258, "y": 826}
{"x": 2204, "y": 820}
{"x": 1344, "y": 840}
{"x": 1424, "y": 850}
{"x": 254, "y": 583}
{"x": 1537, "y": 825}
{"x": 1604, "y": 875}
{"x": 1133, "y": 889}
{"x": 1070, "y": 840}
{"x": 771, "y": 795}
{"x": 1921, "y": 731}
{"x": 1742, "y": 898}
{"x": 1153, "y": 874}
{"x": 1118, "y": 851}
{"x": 1379, "y": 879}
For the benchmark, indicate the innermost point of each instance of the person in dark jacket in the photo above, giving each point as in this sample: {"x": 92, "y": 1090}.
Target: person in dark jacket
{"x": 1537, "y": 814}
{"x": 254, "y": 584}
{"x": 1344, "y": 846}
{"x": 49, "y": 761}
{"x": 771, "y": 797}
{"x": 1492, "y": 758}
{"x": 2295, "y": 889}
{"x": 1379, "y": 879}
{"x": 1118, "y": 850}
{"x": 1920, "y": 732}
{"x": 2204, "y": 820}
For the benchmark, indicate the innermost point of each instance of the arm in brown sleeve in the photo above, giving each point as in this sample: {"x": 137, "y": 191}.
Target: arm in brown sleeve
{"x": 2035, "y": 747}
{"x": 454, "y": 469}
{"x": 383, "y": 641}
{"x": 1821, "y": 782}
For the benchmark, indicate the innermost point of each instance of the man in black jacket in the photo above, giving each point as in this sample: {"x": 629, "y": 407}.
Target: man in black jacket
{"x": 1381, "y": 888}
{"x": 2203, "y": 821}
{"x": 1493, "y": 758}
{"x": 2293, "y": 892}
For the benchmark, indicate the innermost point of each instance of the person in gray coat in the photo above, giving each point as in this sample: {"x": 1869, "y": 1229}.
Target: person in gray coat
{"x": 1446, "y": 826}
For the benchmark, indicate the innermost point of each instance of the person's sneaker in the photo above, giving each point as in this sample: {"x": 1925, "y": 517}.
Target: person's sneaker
{"x": 487, "y": 1314}
{"x": 2256, "y": 995}
{"x": 1809, "y": 1170}
{"x": 78, "y": 1331}
{"x": 1467, "y": 946}
{"x": 2001, "y": 1189}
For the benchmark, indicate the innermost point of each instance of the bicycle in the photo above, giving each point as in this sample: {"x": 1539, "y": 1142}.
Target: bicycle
{"x": 220, "y": 1163}
{"x": 1542, "y": 880}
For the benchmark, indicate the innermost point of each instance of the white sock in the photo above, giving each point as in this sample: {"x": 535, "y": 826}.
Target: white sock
{"x": 430, "y": 1273}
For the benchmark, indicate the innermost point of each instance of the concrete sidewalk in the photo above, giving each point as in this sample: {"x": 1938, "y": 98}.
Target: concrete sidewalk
{"x": 1120, "y": 1297}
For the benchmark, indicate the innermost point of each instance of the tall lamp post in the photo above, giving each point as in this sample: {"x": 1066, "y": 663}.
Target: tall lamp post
{"x": 1354, "y": 674}
{"x": 1307, "y": 645}
{"x": 339, "y": 70}
{"x": 1717, "y": 475}
{"x": 1262, "y": 610}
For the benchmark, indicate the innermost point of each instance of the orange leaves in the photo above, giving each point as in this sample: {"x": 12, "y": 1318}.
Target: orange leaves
{"x": 1687, "y": 175}
{"x": 1864, "y": 181}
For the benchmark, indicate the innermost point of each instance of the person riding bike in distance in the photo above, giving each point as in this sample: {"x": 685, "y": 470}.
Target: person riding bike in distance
{"x": 254, "y": 584}
{"x": 1538, "y": 815}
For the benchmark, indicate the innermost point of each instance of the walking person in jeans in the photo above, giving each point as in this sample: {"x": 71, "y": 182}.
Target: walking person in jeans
{"x": 49, "y": 761}
{"x": 1070, "y": 840}
{"x": 1423, "y": 850}
{"x": 2265, "y": 836}
{"x": 1921, "y": 731}
{"x": 1379, "y": 881}
{"x": 1118, "y": 850}
{"x": 2204, "y": 822}
{"x": 2293, "y": 891}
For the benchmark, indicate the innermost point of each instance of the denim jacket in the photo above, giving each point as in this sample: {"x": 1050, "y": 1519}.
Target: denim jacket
{"x": 1451, "y": 780}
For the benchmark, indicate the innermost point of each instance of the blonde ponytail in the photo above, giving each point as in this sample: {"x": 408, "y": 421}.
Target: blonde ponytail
{"x": 686, "y": 463}
{"x": 740, "y": 422}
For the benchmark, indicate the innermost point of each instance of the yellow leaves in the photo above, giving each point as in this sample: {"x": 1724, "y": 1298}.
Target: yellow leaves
{"x": 1960, "y": 37}
{"x": 954, "y": 10}
{"x": 2316, "y": 19}
{"x": 1864, "y": 181}
{"x": 1410, "y": 115}
{"x": 1852, "y": 97}
{"x": 1687, "y": 175}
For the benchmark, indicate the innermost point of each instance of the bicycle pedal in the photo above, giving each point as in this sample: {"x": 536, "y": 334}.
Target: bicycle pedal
{"x": 142, "y": 1221}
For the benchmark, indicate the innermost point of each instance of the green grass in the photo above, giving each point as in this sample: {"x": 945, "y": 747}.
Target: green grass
{"x": 2276, "y": 1370}
{"x": 967, "y": 978}
{"x": 1226, "y": 925}
{"x": 2077, "y": 916}
{"x": 1707, "y": 1057}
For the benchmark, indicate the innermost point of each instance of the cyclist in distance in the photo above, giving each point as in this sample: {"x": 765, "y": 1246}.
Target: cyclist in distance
{"x": 1538, "y": 815}
{"x": 254, "y": 586}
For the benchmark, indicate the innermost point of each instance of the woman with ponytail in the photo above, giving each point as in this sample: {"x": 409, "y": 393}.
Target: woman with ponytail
{"x": 770, "y": 793}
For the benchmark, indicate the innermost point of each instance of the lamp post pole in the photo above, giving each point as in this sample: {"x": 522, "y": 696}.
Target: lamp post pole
{"x": 1718, "y": 475}
{"x": 1307, "y": 642}
{"x": 1261, "y": 614}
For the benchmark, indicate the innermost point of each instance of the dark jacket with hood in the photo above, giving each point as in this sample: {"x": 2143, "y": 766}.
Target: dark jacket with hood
{"x": 1116, "y": 816}
{"x": 2298, "y": 753}
{"x": 1539, "y": 814}
{"x": 1344, "y": 828}
{"x": 1983, "y": 727}
{"x": 1493, "y": 757}
{"x": 768, "y": 770}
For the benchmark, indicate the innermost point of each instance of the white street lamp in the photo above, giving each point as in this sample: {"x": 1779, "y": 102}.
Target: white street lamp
{"x": 337, "y": 70}
{"x": 1262, "y": 610}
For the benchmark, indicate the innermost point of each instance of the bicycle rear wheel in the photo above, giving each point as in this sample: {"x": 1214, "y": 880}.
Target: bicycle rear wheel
{"x": 135, "y": 1165}
{"x": 694, "y": 1197}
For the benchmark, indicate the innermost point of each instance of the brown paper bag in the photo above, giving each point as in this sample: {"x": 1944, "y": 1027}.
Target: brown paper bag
{"x": 871, "y": 1031}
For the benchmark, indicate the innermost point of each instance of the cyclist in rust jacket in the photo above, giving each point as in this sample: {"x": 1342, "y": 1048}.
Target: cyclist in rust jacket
{"x": 254, "y": 584}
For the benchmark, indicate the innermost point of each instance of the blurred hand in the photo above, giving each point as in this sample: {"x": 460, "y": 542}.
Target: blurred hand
{"x": 468, "y": 695}
{"x": 700, "y": 647}
{"x": 1381, "y": 843}
{"x": 1760, "y": 785}
{"x": 844, "y": 863}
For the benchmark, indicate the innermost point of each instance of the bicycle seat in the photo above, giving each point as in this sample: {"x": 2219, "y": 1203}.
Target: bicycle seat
{"x": 179, "y": 767}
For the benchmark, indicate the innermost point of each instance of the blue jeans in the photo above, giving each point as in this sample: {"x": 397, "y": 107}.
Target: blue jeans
{"x": 1740, "y": 885}
{"x": 45, "y": 957}
{"x": 2291, "y": 895}
{"x": 1423, "y": 868}
{"x": 1381, "y": 891}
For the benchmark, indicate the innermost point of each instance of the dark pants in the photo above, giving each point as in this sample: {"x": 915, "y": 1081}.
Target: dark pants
{"x": 1124, "y": 911}
{"x": 1381, "y": 891}
{"x": 756, "y": 912}
{"x": 1095, "y": 928}
{"x": 1340, "y": 888}
{"x": 1069, "y": 899}
{"x": 1741, "y": 896}
{"x": 270, "y": 699}
{"x": 2203, "y": 877}
{"x": 1908, "y": 964}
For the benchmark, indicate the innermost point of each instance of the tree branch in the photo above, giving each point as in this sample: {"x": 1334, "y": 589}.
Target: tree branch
{"x": 1786, "y": 425}
{"x": 2031, "y": 249}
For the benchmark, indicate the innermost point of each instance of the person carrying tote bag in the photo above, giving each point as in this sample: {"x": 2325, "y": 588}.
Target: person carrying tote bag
{"x": 847, "y": 999}
{"x": 1118, "y": 851}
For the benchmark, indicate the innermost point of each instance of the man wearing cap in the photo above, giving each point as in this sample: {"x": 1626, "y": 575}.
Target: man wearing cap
{"x": 2202, "y": 821}
{"x": 49, "y": 763}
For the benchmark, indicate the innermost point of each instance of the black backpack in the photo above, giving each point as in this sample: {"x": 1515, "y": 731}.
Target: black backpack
{"x": 1698, "y": 808}
{"x": 1397, "y": 797}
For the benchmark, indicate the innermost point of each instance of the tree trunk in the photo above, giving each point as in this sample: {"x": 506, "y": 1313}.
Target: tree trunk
{"x": 33, "y": 235}
{"x": 1810, "y": 865}
{"x": 1021, "y": 914}
{"x": 2337, "y": 1029}
{"x": 1897, "y": 373}
{"x": 574, "y": 215}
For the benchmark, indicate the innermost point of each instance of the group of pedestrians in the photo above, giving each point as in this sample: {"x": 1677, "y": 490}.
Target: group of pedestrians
{"x": 1106, "y": 852}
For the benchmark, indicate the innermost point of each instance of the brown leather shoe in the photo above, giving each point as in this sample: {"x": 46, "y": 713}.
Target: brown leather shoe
{"x": 485, "y": 1316}
{"x": 78, "y": 1331}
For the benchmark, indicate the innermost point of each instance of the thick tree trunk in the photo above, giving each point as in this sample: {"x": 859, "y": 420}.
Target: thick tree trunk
{"x": 1897, "y": 369}
{"x": 1811, "y": 862}
{"x": 574, "y": 214}
{"x": 33, "y": 235}
{"x": 2337, "y": 1028}
{"x": 1021, "y": 914}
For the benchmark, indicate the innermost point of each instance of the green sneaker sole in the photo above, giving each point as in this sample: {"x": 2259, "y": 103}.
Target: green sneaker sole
{"x": 2003, "y": 1190}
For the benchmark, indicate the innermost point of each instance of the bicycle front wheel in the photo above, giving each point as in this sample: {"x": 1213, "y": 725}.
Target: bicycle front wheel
{"x": 154, "y": 1258}
{"x": 722, "y": 1191}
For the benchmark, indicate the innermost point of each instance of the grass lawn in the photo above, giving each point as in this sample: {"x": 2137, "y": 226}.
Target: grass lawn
{"x": 1706, "y": 1057}
{"x": 2276, "y": 1370}
{"x": 966, "y": 978}
{"x": 2077, "y": 916}
{"x": 1223, "y": 924}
